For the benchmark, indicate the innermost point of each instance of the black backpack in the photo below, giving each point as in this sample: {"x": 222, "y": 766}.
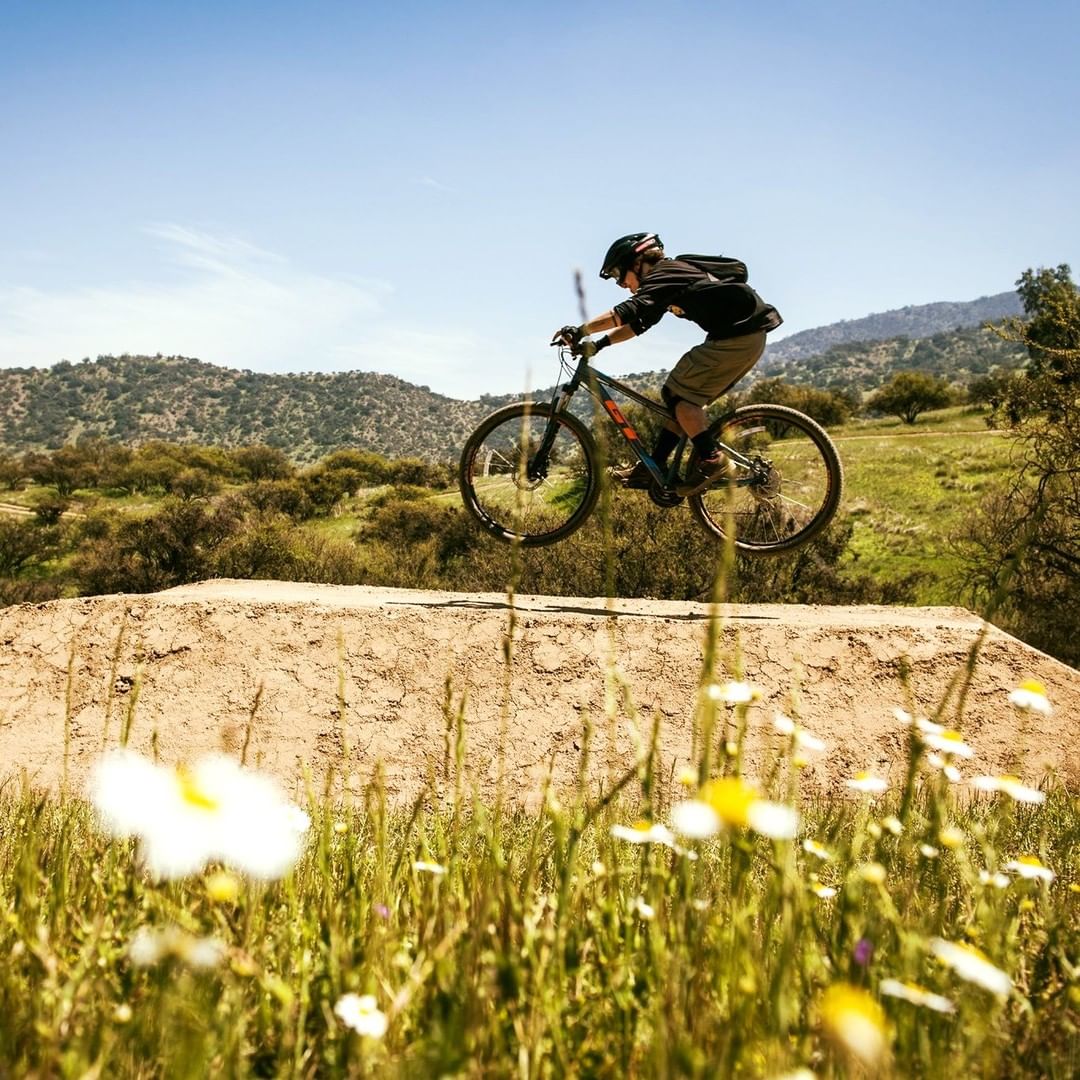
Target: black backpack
{"x": 721, "y": 267}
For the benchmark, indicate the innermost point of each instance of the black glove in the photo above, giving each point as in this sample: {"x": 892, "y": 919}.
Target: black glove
{"x": 568, "y": 335}
{"x": 589, "y": 349}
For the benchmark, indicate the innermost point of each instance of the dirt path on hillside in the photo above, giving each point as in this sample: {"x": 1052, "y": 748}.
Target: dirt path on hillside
{"x": 338, "y": 680}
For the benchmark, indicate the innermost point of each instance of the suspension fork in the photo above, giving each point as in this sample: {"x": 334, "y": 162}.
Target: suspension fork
{"x": 537, "y": 467}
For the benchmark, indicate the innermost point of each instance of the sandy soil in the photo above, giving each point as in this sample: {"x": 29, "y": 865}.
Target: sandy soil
{"x": 213, "y": 665}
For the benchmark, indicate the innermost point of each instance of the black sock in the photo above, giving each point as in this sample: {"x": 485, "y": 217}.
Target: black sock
{"x": 704, "y": 444}
{"x": 666, "y": 441}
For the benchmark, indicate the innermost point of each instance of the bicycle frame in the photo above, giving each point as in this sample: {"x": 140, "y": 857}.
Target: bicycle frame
{"x": 599, "y": 386}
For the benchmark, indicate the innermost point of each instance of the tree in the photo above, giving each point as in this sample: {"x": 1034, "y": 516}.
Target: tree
{"x": 1022, "y": 545}
{"x": 1052, "y": 332}
{"x": 262, "y": 462}
{"x": 64, "y": 469}
{"x": 909, "y": 393}
{"x": 992, "y": 389}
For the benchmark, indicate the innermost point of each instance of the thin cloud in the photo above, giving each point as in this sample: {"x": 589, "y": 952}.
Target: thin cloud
{"x": 233, "y": 304}
{"x": 431, "y": 182}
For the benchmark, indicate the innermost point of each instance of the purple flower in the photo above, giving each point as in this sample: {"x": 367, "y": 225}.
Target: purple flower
{"x": 864, "y": 951}
{"x": 382, "y": 910}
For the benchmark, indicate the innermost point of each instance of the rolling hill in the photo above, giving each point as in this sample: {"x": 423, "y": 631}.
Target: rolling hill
{"x": 133, "y": 399}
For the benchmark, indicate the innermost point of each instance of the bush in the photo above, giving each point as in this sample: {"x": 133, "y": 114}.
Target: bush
{"x": 827, "y": 407}
{"x": 173, "y": 546}
{"x": 909, "y": 394}
{"x": 49, "y": 509}
{"x": 283, "y": 496}
{"x": 262, "y": 462}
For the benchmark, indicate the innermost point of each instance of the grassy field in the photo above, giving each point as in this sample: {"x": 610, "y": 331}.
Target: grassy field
{"x": 910, "y": 486}
{"x": 907, "y": 487}
{"x": 716, "y": 930}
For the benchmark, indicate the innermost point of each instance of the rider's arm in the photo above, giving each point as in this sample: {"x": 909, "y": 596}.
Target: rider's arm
{"x": 608, "y": 321}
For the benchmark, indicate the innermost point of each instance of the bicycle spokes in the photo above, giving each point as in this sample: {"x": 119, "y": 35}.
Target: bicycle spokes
{"x": 529, "y": 475}
{"x": 783, "y": 484}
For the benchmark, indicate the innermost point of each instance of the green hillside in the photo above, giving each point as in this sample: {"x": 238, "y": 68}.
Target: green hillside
{"x": 957, "y": 356}
{"x": 133, "y": 399}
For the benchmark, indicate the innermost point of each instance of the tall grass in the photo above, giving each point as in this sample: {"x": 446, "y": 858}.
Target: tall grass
{"x": 581, "y": 938}
{"x": 544, "y": 945}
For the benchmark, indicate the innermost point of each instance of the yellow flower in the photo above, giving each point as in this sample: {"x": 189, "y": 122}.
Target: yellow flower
{"x": 687, "y": 777}
{"x": 730, "y": 799}
{"x": 873, "y": 873}
{"x": 854, "y": 1021}
{"x": 951, "y": 837}
{"x": 223, "y": 887}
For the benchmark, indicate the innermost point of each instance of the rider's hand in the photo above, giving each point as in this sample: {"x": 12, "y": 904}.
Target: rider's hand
{"x": 568, "y": 335}
{"x": 588, "y": 349}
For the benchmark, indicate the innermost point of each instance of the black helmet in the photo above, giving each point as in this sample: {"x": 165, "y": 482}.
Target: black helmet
{"x": 622, "y": 254}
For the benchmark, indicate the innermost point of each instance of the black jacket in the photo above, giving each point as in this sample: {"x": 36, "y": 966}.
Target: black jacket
{"x": 723, "y": 309}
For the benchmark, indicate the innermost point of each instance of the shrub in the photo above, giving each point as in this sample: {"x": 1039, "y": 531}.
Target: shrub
{"x": 909, "y": 394}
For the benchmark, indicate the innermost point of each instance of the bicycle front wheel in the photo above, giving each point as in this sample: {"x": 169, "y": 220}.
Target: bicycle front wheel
{"x": 782, "y": 486}
{"x": 526, "y": 481}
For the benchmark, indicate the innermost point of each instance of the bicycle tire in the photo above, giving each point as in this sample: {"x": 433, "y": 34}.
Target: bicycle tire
{"x": 796, "y": 497}
{"x": 504, "y": 500}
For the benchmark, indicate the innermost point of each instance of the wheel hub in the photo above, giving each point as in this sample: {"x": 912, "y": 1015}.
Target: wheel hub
{"x": 766, "y": 485}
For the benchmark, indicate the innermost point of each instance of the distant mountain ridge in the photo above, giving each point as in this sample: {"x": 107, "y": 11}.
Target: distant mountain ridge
{"x": 137, "y": 398}
{"x": 913, "y": 321}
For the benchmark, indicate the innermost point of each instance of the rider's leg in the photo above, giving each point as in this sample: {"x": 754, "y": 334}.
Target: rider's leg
{"x": 704, "y": 374}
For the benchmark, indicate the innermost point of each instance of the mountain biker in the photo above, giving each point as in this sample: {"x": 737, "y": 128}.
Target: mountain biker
{"x": 733, "y": 316}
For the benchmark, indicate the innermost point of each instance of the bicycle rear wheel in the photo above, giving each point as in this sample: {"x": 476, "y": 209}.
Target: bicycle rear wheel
{"x": 787, "y": 493}
{"x": 518, "y": 495}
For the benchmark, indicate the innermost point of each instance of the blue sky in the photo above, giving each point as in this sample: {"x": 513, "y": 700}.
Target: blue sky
{"x": 409, "y": 187}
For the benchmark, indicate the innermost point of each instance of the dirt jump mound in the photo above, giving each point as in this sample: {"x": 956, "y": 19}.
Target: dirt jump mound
{"x": 317, "y": 680}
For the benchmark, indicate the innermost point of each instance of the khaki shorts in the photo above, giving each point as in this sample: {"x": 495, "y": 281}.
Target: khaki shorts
{"x": 710, "y": 369}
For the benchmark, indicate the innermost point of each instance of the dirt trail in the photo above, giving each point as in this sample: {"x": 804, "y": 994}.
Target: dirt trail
{"x": 197, "y": 658}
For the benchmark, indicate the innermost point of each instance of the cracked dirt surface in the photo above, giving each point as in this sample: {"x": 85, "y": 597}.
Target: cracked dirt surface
{"x": 213, "y": 665}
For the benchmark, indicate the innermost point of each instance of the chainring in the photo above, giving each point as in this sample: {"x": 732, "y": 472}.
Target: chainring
{"x": 663, "y": 497}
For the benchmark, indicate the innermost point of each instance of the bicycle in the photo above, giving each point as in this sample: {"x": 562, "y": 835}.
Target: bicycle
{"x": 530, "y": 473}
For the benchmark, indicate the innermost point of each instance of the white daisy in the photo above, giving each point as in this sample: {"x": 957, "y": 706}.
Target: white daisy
{"x": 912, "y": 992}
{"x": 186, "y": 817}
{"x": 971, "y": 964}
{"x": 1030, "y": 696}
{"x": 361, "y": 1013}
{"x": 1030, "y": 868}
